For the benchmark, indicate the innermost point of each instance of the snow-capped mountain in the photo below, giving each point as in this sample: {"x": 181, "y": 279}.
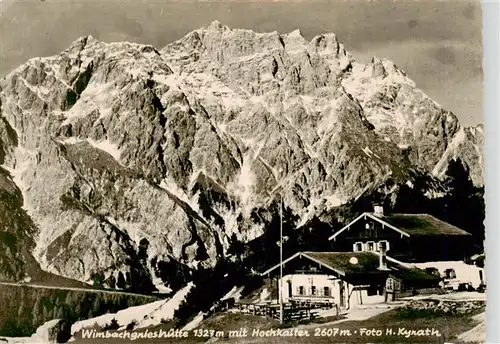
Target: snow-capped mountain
{"x": 124, "y": 158}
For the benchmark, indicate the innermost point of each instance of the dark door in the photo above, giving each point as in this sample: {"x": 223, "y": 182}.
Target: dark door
{"x": 342, "y": 295}
{"x": 289, "y": 288}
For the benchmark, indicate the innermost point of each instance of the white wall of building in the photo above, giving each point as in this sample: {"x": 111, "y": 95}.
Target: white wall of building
{"x": 307, "y": 282}
{"x": 360, "y": 297}
{"x": 465, "y": 273}
{"x": 352, "y": 296}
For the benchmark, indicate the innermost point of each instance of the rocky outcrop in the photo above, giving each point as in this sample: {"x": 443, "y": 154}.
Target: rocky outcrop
{"x": 403, "y": 114}
{"x": 445, "y": 307}
{"x": 127, "y": 158}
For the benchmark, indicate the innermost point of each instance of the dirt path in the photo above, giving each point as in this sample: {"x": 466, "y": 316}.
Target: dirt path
{"x": 477, "y": 334}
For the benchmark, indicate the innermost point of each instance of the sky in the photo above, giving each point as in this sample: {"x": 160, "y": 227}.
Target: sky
{"x": 438, "y": 43}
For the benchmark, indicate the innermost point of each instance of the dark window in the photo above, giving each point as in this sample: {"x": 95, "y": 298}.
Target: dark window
{"x": 313, "y": 290}
{"x": 371, "y": 246}
{"x": 397, "y": 285}
{"x": 372, "y": 290}
{"x": 450, "y": 274}
{"x": 301, "y": 290}
{"x": 383, "y": 245}
{"x": 369, "y": 229}
{"x": 371, "y": 232}
{"x": 326, "y": 291}
{"x": 358, "y": 247}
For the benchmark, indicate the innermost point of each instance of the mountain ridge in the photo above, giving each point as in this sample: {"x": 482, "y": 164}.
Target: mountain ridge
{"x": 127, "y": 156}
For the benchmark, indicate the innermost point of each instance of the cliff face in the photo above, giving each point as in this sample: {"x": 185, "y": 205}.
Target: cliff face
{"x": 405, "y": 115}
{"x": 119, "y": 157}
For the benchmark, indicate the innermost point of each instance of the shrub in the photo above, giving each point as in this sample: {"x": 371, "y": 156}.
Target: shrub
{"x": 411, "y": 313}
{"x": 131, "y": 325}
{"x": 113, "y": 325}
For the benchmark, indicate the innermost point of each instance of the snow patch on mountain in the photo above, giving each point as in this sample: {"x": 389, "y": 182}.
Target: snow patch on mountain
{"x": 171, "y": 80}
{"x": 106, "y": 146}
{"x": 365, "y": 79}
{"x": 310, "y": 211}
{"x": 166, "y": 310}
{"x": 450, "y": 153}
{"x": 246, "y": 181}
{"x": 20, "y": 165}
{"x": 432, "y": 194}
{"x": 42, "y": 335}
{"x": 145, "y": 315}
{"x": 169, "y": 185}
{"x": 103, "y": 145}
{"x": 334, "y": 200}
{"x": 159, "y": 284}
{"x": 197, "y": 320}
{"x": 95, "y": 97}
{"x": 234, "y": 293}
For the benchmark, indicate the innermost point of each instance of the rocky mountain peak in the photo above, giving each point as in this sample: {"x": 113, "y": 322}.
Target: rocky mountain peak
{"x": 130, "y": 159}
{"x": 381, "y": 68}
{"x": 325, "y": 43}
{"x": 296, "y": 33}
{"x": 217, "y": 26}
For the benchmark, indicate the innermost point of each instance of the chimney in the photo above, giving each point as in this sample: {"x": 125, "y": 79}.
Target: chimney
{"x": 383, "y": 259}
{"x": 378, "y": 210}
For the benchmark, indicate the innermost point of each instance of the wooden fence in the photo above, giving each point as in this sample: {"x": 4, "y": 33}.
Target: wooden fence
{"x": 291, "y": 311}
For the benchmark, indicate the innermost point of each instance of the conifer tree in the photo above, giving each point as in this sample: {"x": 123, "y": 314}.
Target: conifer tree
{"x": 120, "y": 283}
